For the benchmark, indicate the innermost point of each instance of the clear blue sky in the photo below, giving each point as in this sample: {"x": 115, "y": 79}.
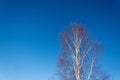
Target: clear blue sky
{"x": 30, "y": 29}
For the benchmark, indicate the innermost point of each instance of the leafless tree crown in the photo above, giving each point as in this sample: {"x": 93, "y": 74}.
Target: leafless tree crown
{"x": 79, "y": 56}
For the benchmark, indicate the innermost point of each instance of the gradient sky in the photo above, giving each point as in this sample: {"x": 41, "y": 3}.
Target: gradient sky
{"x": 30, "y": 30}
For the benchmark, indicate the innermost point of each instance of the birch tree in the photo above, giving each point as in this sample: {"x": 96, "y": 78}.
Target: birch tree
{"x": 78, "y": 60}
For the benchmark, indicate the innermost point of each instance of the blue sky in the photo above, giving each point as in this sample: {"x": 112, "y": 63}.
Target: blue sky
{"x": 30, "y": 34}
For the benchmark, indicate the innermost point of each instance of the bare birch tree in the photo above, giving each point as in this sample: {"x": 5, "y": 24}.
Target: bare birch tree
{"x": 79, "y": 56}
